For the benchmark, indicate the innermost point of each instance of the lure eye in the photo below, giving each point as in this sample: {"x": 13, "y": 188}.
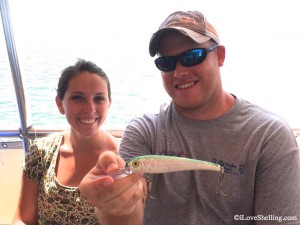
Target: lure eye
{"x": 135, "y": 164}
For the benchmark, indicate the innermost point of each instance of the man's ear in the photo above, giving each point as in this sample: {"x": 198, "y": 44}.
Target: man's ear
{"x": 221, "y": 55}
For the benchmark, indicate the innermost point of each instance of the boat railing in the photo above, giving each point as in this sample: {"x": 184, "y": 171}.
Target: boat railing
{"x": 12, "y": 139}
{"x": 15, "y": 70}
{"x": 37, "y": 133}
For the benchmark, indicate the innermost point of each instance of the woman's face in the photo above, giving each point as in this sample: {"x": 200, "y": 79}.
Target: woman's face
{"x": 85, "y": 103}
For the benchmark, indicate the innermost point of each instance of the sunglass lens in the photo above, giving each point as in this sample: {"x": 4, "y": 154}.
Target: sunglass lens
{"x": 165, "y": 63}
{"x": 189, "y": 58}
{"x": 192, "y": 57}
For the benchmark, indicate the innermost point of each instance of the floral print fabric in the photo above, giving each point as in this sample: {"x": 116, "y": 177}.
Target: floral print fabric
{"x": 57, "y": 204}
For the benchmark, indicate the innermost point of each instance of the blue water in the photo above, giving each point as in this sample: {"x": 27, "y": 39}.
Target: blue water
{"x": 135, "y": 83}
{"x": 261, "y": 66}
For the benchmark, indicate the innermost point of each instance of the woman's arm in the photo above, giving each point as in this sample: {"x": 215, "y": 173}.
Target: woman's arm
{"x": 27, "y": 209}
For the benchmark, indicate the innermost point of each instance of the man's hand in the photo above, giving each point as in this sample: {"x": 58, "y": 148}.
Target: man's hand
{"x": 113, "y": 197}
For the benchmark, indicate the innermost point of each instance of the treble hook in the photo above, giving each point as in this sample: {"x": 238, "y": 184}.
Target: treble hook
{"x": 221, "y": 191}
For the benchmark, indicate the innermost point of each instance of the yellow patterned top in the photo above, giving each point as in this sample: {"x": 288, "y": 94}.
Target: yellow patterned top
{"x": 57, "y": 204}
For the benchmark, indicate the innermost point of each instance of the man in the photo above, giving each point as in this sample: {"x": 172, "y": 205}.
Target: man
{"x": 256, "y": 148}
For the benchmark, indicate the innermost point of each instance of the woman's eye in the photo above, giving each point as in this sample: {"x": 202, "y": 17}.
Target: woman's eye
{"x": 76, "y": 97}
{"x": 99, "y": 99}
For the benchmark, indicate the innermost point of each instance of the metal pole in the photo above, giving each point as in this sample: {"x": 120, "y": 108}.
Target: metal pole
{"x": 16, "y": 74}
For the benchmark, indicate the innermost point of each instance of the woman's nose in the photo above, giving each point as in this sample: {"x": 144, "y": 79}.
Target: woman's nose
{"x": 89, "y": 106}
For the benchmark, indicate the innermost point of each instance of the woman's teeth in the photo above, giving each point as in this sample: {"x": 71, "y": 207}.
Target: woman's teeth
{"x": 88, "y": 121}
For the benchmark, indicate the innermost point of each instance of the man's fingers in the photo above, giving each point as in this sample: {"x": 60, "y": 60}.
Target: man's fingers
{"x": 109, "y": 192}
{"x": 93, "y": 189}
{"x": 110, "y": 162}
{"x": 125, "y": 201}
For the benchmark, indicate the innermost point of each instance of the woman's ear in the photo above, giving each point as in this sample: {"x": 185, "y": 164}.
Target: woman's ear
{"x": 59, "y": 105}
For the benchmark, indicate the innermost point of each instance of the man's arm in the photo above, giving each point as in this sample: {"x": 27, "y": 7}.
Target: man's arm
{"x": 277, "y": 181}
{"x": 133, "y": 214}
{"x": 116, "y": 201}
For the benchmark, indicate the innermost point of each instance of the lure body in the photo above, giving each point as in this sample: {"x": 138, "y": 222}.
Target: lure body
{"x": 166, "y": 164}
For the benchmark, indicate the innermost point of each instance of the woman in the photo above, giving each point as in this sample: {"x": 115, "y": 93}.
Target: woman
{"x": 55, "y": 165}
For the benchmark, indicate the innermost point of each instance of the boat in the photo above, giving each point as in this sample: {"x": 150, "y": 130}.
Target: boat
{"x": 14, "y": 142}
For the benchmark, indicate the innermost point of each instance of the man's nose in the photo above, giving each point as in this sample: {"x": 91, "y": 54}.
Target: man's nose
{"x": 180, "y": 70}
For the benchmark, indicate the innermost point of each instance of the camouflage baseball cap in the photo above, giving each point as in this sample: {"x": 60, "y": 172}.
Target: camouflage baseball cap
{"x": 191, "y": 23}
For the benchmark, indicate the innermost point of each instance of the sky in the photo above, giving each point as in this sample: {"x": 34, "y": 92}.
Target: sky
{"x": 261, "y": 38}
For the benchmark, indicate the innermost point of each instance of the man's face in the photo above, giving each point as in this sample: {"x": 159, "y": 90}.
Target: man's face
{"x": 195, "y": 87}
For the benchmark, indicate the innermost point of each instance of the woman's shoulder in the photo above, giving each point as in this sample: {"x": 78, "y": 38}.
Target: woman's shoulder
{"x": 51, "y": 140}
{"x": 111, "y": 141}
{"x": 40, "y": 154}
{"x": 43, "y": 146}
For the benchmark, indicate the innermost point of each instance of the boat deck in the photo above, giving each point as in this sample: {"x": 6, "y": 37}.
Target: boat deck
{"x": 10, "y": 177}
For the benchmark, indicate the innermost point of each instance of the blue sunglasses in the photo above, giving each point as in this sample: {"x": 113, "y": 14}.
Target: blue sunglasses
{"x": 188, "y": 58}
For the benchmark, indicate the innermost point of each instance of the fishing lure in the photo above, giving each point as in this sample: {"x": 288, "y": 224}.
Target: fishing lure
{"x": 166, "y": 164}
{"x": 154, "y": 164}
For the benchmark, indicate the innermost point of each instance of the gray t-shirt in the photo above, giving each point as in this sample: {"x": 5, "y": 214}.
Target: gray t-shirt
{"x": 256, "y": 148}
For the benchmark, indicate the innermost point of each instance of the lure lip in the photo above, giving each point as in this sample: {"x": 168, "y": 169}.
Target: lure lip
{"x": 122, "y": 172}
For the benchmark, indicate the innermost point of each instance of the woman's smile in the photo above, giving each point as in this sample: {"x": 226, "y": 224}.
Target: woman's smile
{"x": 88, "y": 121}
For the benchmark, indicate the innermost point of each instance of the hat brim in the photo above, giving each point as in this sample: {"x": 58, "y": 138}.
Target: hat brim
{"x": 156, "y": 37}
